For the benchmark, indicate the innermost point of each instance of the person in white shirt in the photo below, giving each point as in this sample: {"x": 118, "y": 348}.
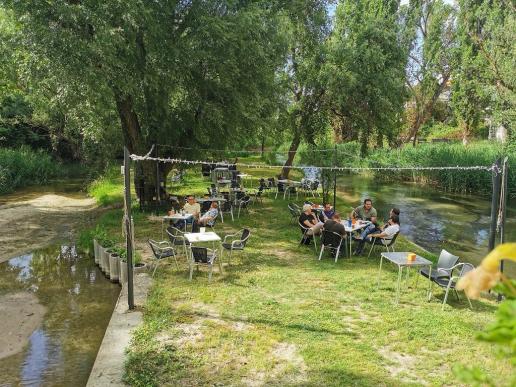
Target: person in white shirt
{"x": 390, "y": 229}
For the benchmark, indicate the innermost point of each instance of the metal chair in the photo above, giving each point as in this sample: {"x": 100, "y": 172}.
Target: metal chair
{"x": 202, "y": 256}
{"x": 227, "y": 207}
{"x": 235, "y": 244}
{"x": 258, "y": 195}
{"x": 294, "y": 211}
{"x": 447, "y": 280}
{"x": 177, "y": 238}
{"x": 387, "y": 243}
{"x": 446, "y": 261}
{"x": 332, "y": 241}
{"x": 314, "y": 186}
{"x": 305, "y": 240}
{"x": 243, "y": 204}
{"x": 160, "y": 251}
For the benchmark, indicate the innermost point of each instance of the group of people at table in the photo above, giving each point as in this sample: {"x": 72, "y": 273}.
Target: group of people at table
{"x": 330, "y": 220}
{"x": 197, "y": 219}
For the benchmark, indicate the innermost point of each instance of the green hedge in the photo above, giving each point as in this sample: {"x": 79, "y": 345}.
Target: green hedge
{"x": 24, "y": 166}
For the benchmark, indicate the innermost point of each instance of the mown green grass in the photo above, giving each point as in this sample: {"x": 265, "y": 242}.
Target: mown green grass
{"x": 108, "y": 189}
{"x": 279, "y": 316}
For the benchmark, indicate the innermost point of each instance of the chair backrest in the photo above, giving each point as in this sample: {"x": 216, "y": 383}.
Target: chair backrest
{"x": 293, "y": 210}
{"x": 392, "y": 240}
{"x": 446, "y": 260}
{"x": 465, "y": 268}
{"x": 330, "y": 238}
{"x": 245, "y": 236}
{"x": 227, "y": 206}
{"x": 244, "y": 201}
{"x": 272, "y": 182}
{"x": 303, "y": 227}
{"x": 205, "y": 206}
{"x": 156, "y": 250}
{"x": 200, "y": 254}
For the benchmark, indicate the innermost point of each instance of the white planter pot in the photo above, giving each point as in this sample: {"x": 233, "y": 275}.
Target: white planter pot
{"x": 114, "y": 267}
{"x": 105, "y": 262}
{"x": 96, "y": 251}
{"x": 123, "y": 273}
{"x": 140, "y": 268}
{"x": 101, "y": 257}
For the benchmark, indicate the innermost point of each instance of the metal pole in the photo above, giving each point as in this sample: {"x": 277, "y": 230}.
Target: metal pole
{"x": 334, "y": 177}
{"x": 495, "y": 199}
{"x": 128, "y": 228}
{"x": 505, "y": 175}
{"x": 158, "y": 201}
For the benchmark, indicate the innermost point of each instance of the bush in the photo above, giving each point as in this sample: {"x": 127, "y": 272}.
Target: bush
{"x": 24, "y": 166}
{"x": 108, "y": 189}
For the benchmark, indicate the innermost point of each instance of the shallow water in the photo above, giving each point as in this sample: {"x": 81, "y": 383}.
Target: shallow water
{"x": 431, "y": 218}
{"x": 78, "y": 301}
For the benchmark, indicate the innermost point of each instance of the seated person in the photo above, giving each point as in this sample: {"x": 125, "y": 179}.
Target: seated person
{"x": 373, "y": 227}
{"x": 309, "y": 220}
{"x": 327, "y": 212}
{"x": 191, "y": 207}
{"x": 365, "y": 212}
{"x": 208, "y": 219}
{"x": 392, "y": 227}
{"x": 335, "y": 225}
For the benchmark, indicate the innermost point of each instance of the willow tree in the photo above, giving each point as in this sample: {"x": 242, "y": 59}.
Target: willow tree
{"x": 366, "y": 70}
{"x": 188, "y": 73}
{"x": 431, "y": 30}
{"x": 307, "y": 27}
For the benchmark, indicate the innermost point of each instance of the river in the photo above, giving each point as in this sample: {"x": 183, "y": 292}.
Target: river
{"x": 54, "y": 308}
{"x": 431, "y": 218}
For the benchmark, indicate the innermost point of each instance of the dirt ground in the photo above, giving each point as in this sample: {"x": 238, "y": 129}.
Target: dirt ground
{"x": 20, "y": 315}
{"x": 37, "y": 222}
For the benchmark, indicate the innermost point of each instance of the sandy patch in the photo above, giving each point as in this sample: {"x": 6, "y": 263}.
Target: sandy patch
{"x": 41, "y": 220}
{"x": 20, "y": 315}
{"x": 401, "y": 366}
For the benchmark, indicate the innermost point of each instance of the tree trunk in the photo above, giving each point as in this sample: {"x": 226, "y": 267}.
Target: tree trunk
{"x": 144, "y": 171}
{"x": 291, "y": 154}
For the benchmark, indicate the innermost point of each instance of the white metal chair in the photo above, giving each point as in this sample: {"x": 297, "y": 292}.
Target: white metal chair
{"x": 235, "y": 244}
{"x": 331, "y": 241}
{"x": 387, "y": 243}
{"x": 446, "y": 279}
{"x": 161, "y": 250}
{"x": 202, "y": 256}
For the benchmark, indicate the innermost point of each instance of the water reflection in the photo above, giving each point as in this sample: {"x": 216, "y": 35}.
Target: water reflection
{"x": 79, "y": 302}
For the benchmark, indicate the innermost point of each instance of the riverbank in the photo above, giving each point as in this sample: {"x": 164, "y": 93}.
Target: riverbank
{"x": 44, "y": 219}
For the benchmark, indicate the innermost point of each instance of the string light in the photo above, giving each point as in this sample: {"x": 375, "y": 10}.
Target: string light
{"x": 493, "y": 168}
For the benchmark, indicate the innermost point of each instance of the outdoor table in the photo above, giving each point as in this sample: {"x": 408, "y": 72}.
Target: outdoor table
{"x": 203, "y": 237}
{"x": 351, "y": 229}
{"x": 214, "y": 199}
{"x": 174, "y": 217}
{"x": 400, "y": 259}
{"x": 287, "y": 184}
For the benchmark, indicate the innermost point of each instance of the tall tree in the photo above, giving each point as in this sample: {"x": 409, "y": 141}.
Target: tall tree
{"x": 431, "y": 34}
{"x": 307, "y": 26}
{"x": 177, "y": 72}
{"x": 366, "y": 70}
{"x": 487, "y": 59}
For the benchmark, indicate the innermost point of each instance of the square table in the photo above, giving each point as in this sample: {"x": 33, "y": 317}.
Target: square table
{"x": 174, "y": 217}
{"x": 213, "y": 199}
{"x": 400, "y": 260}
{"x": 359, "y": 225}
{"x": 202, "y": 237}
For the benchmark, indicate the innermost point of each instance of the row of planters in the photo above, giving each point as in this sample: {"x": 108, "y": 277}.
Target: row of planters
{"x": 112, "y": 259}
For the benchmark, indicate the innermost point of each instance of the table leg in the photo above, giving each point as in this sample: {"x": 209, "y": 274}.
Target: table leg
{"x": 407, "y": 277}
{"x": 379, "y": 272}
{"x": 398, "y": 285}
{"x": 221, "y": 214}
{"x": 350, "y": 238}
{"x": 162, "y": 225}
{"x": 429, "y": 282}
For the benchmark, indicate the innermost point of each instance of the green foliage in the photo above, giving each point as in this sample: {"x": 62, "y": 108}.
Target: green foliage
{"x": 23, "y": 166}
{"x": 366, "y": 70}
{"x": 108, "y": 188}
{"x": 441, "y": 130}
{"x": 428, "y": 155}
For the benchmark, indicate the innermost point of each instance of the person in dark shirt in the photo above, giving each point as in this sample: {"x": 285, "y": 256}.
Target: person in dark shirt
{"x": 328, "y": 212}
{"x": 309, "y": 220}
{"x": 335, "y": 225}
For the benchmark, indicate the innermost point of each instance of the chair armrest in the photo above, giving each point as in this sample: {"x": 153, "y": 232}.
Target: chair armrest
{"x": 230, "y": 235}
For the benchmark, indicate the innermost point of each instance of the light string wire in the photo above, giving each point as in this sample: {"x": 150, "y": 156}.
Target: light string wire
{"x": 493, "y": 168}
{"x": 252, "y": 151}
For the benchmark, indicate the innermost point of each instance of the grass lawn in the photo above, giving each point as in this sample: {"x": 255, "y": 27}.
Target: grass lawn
{"x": 278, "y": 316}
